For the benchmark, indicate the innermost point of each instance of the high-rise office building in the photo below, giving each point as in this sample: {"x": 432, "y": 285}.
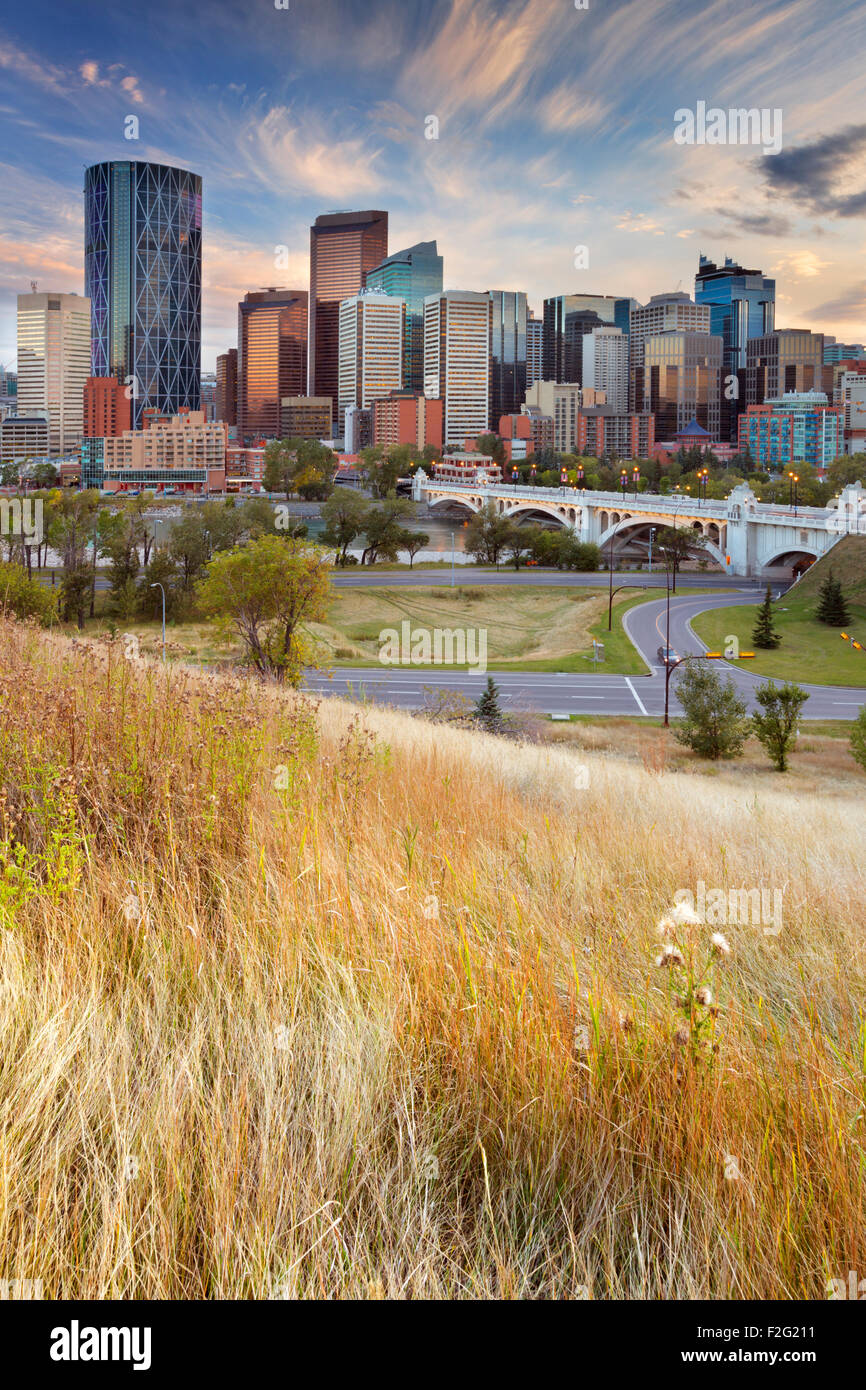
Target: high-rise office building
{"x": 605, "y": 366}
{"x": 742, "y": 306}
{"x": 142, "y": 265}
{"x": 567, "y": 318}
{"x": 665, "y": 313}
{"x": 534, "y": 328}
{"x": 372, "y": 339}
{"x": 227, "y": 387}
{"x": 54, "y": 363}
{"x": 411, "y": 275}
{"x": 306, "y": 417}
{"x": 560, "y": 402}
{"x": 842, "y": 352}
{"x": 507, "y": 352}
{"x": 790, "y": 359}
{"x": 457, "y": 347}
{"x": 344, "y": 246}
{"x": 681, "y": 381}
{"x": 272, "y": 358}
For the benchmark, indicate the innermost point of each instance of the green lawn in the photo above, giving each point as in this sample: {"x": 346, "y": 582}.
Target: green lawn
{"x": 809, "y": 651}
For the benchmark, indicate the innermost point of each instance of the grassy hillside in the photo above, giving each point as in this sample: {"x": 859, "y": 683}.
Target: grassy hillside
{"x": 847, "y": 559}
{"x": 299, "y": 1000}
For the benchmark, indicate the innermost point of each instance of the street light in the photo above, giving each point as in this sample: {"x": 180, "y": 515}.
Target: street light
{"x": 703, "y": 475}
{"x": 532, "y": 473}
{"x": 563, "y": 476}
{"x": 514, "y": 474}
{"x": 580, "y": 475}
{"x": 159, "y": 586}
{"x": 795, "y": 478}
{"x": 651, "y": 534}
{"x": 623, "y": 481}
{"x": 635, "y": 477}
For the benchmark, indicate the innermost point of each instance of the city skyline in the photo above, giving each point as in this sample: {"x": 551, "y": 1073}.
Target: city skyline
{"x": 555, "y": 130}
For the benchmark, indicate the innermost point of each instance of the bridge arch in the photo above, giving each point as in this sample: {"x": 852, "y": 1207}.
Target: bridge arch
{"x": 470, "y": 504}
{"x": 798, "y": 557}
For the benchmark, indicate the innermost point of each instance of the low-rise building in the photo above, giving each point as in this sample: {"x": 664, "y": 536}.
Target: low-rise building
{"x": 601, "y": 431}
{"x": 23, "y": 437}
{"x": 408, "y": 417}
{"x": 187, "y": 453}
{"x": 799, "y": 427}
{"x": 245, "y": 468}
{"x": 467, "y": 466}
{"x": 306, "y": 417}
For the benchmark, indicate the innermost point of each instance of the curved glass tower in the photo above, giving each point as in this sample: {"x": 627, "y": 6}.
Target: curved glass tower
{"x": 142, "y": 268}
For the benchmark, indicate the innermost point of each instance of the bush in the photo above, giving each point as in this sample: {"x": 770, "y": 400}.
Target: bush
{"x": 24, "y": 597}
{"x": 714, "y": 720}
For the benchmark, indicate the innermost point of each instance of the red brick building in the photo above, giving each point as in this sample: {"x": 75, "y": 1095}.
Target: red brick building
{"x": 107, "y": 408}
{"x": 407, "y": 417}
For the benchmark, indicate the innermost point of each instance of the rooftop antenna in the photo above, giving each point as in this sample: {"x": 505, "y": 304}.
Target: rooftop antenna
{"x": 34, "y": 286}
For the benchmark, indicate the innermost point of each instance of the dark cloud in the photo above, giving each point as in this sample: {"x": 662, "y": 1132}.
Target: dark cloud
{"x": 811, "y": 174}
{"x": 749, "y": 224}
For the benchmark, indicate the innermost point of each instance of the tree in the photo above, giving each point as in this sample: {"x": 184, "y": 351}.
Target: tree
{"x": 189, "y": 546}
{"x": 778, "y": 724}
{"x": 763, "y": 633}
{"x": 412, "y": 542}
{"x": 858, "y": 738}
{"x": 832, "y": 606}
{"x": 25, "y": 597}
{"x": 493, "y": 446}
{"x": 487, "y": 710}
{"x": 383, "y": 530}
{"x": 161, "y": 570}
{"x": 488, "y": 535}
{"x": 345, "y": 516}
{"x": 75, "y": 590}
{"x": 380, "y": 472}
{"x": 679, "y": 544}
{"x": 264, "y": 592}
{"x": 714, "y": 722}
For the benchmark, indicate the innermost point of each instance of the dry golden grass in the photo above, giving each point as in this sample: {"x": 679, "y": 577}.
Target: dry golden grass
{"x": 292, "y": 1002}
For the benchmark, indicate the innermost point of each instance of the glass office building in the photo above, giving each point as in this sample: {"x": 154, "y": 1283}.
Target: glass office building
{"x": 411, "y": 275}
{"x": 272, "y": 358}
{"x": 344, "y": 248}
{"x": 507, "y": 354}
{"x": 681, "y": 378}
{"x": 742, "y": 306}
{"x": 142, "y": 268}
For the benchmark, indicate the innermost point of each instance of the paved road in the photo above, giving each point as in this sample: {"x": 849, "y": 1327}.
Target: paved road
{"x": 551, "y": 693}
{"x": 469, "y": 575}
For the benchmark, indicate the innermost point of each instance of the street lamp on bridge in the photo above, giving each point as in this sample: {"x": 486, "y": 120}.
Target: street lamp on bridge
{"x": 635, "y": 477}
{"x": 794, "y": 480}
{"x": 623, "y": 481}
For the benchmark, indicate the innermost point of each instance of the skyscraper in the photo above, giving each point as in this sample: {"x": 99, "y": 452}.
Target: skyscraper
{"x": 457, "y": 344}
{"x": 412, "y": 274}
{"x": 344, "y": 246}
{"x": 567, "y": 317}
{"x": 371, "y": 349}
{"x": 54, "y": 363}
{"x": 665, "y": 313}
{"x": 682, "y": 381}
{"x": 272, "y": 358}
{"x": 742, "y": 306}
{"x": 790, "y": 359}
{"x": 142, "y": 267}
{"x": 227, "y": 387}
{"x": 507, "y": 353}
{"x": 605, "y": 366}
{"x": 533, "y": 350}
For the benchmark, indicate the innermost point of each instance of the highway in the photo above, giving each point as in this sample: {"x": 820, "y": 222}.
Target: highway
{"x": 602, "y": 694}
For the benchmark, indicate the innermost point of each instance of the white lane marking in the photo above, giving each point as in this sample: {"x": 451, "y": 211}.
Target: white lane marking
{"x": 587, "y": 697}
{"x": 640, "y": 704}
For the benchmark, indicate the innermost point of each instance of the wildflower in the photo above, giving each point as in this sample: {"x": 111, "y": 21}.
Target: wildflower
{"x": 704, "y": 995}
{"x": 685, "y": 915}
{"x": 667, "y": 927}
{"x": 626, "y": 1022}
{"x": 681, "y": 1036}
{"x": 719, "y": 944}
{"x": 670, "y": 956}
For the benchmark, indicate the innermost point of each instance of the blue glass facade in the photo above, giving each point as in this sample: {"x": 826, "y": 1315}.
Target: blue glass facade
{"x": 411, "y": 275}
{"x": 142, "y": 267}
{"x": 742, "y": 306}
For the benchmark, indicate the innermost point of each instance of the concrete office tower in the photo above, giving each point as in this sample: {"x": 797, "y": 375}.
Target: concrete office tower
{"x": 372, "y": 344}
{"x": 742, "y": 306}
{"x": 142, "y": 268}
{"x": 227, "y": 387}
{"x": 411, "y": 275}
{"x": 457, "y": 351}
{"x": 681, "y": 381}
{"x": 344, "y": 246}
{"x": 605, "y": 366}
{"x": 54, "y": 364}
{"x": 107, "y": 408}
{"x": 272, "y": 358}
{"x": 791, "y": 359}
{"x": 533, "y": 350}
{"x": 507, "y": 353}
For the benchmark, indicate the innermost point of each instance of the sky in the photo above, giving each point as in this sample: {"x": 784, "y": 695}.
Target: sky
{"x": 555, "y": 131}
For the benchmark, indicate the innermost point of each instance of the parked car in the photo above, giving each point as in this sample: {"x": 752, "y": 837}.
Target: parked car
{"x": 667, "y": 656}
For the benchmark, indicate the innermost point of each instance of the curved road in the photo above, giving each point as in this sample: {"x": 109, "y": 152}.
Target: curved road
{"x": 567, "y": 693}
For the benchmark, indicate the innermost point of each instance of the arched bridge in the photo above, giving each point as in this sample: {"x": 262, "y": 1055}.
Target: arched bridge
{"x": 746, "y": 537}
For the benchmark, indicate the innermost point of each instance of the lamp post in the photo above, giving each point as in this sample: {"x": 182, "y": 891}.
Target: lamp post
{"x": 159, "y": 586}
{"x": 795, "y": 478}
{"x": 514, "y": 474}
{"x": 532, "y": 472}
{"x": 580, "y": 475}
{"x": 703, "y": 475}
{"x": 623, "y": 482}
{"x": 563, "y": 476}
{"x": 651, "y": 534}
{"x": 452, "y": 559}
{"x": 635, "y": 477}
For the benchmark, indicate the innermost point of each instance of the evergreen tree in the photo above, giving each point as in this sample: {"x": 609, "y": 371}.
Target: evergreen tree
{"x": 487, "y": 710}
{"x": 832, "y": 605}
{"x": 764, "y": 634}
